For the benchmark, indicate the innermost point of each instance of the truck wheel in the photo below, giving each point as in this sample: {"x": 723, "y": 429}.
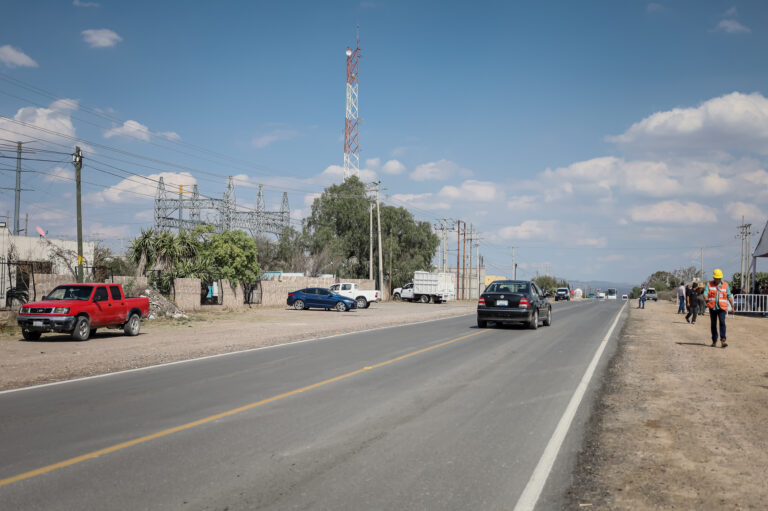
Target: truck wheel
{"x": 548, "y": 319}
{"x": 534, "y": 324}
{"x": 424, "y": 298}
{"x": 133, "y": 325}
{"x": 362, "y": 303}
{"x": 396, "y": 297}
{"x": 341, "y": 306}
{"x": 30, "y": 336}
{"x": 298, "y": 305}
{"x": 82, "y": 329}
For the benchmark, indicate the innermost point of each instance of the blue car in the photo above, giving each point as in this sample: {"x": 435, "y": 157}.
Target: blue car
{"x": 319, "y": 298}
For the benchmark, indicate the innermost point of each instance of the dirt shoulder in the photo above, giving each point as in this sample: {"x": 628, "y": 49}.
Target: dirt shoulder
{"x": 679, "y": 424}
{"x": 57, "y": 357}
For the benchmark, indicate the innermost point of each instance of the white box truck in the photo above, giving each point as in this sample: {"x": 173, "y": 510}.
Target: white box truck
{"x": 437, "y": 287}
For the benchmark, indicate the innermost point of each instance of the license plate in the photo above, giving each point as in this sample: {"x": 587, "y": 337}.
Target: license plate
{"x": 501, "y": 303}
{"x": 37, "y": 323}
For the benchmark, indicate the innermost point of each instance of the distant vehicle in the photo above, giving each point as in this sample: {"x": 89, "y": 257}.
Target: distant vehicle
{"x": 650, "y": 294}
{"x": 352, "y": 290}
{"x": 624, "y": 297}
{"x": 427, "y": 287}
{"x": 513, "y": 301}
{"x": 319, "y": 298}
{"x": 610, "y": 293}
{"x": 592, "y": 296}
{"x": 601, "y": 296}
{"x": 80, "y": 309}
{"x": 562, "y": 293}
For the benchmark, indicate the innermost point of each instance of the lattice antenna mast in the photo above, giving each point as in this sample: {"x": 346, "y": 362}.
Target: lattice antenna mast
{"x": 351, "y": 142}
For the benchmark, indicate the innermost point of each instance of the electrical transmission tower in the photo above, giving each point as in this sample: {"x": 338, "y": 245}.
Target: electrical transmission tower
{"x": 745, "y": 233}
{"x": 351, "y": 142}
{"x": 221, "y": 213}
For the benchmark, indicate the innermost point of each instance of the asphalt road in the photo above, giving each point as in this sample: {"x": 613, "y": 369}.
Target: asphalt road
{"x": 438, "y": 415}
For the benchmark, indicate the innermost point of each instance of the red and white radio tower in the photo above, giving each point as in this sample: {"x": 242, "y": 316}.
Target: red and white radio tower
{"x": 351, "y": 143}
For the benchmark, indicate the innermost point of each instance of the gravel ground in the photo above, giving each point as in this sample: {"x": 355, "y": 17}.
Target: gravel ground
{"x": 679, "y": 424}
{"x": 57, "y": 357}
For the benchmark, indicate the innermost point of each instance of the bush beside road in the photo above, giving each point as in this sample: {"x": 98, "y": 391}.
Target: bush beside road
{"x": 57, "y": 357}
{"x": 679, "y": 424}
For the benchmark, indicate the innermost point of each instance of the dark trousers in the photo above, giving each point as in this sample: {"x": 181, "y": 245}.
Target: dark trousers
{"x": 715, "y": 317}
{"x": 692, "y": 311}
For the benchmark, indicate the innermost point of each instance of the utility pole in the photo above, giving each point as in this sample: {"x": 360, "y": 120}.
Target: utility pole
{"x": 514, "y": 265}
{"x": 445, "y": 245}
{"x": 746, "y": 245}
{"x": 464, "y": 263}
{"x": 390, "y": 265}
{"x": 477, "y": 259}
{"x": 26, "y": 225}
{"x": 18, "y": 190}
{"x": 77, "y": 161}
{"x": 458, "y": 256}
{"x": 471, "y": 242}
{"x": 370, "y": 240}
{"x": 378, "y": 221}
{"x": 701, "y": 263}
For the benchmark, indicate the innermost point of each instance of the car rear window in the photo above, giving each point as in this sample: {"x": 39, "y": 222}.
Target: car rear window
{"x": 509, "y": 287}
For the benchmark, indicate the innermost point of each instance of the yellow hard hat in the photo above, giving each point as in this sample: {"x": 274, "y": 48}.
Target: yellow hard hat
{"x": 717, "y": 274}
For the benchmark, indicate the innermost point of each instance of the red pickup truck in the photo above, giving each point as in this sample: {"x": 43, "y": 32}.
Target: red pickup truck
{"x": 80, "y": 309}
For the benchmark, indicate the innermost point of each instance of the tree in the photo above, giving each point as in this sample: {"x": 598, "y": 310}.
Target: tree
{"x": 336, "y": 236}
{"x": 686, "y": 274}
{"x": 233, "y": 256}
{"x": 547, "y": 284}
{"x": 661, "y": 280}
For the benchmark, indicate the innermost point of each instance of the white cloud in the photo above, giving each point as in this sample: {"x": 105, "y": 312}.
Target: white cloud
{"x": 522, "y": 202}
{"x": 56, "y": 118}
{"x": 673, "y": 212}
{"x": 732, "y": 27}
{"x": 472, "y": 190}
{"x": 438, "y": 170}
{"x": 654, "y": 7}
{"x": 78, "y": 3}
{"x": 59, "y": 174}
{"x": 758, "y": 177}
{"x": 101, "y": 37}
{"x": 273, "y": 136}
{"x": 373, "y": 163}
{"x": 732, "y": 121}
{"x": 530, "y": 229}
{"x": 731, "y": 12}
{"x": 742, "y": 209}
{"x": 334, "y": 173}
{"x": 136, "y": 130}
{"x": 393, "y": 167}
{"x": 426, "y": 201}
{"x": 136, "y": 188}
{"x": 14, "y": 57}
{"x": 714, "y": 184}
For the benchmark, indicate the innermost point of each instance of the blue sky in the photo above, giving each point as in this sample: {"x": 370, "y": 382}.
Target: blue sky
{"x": 604, "y": 140}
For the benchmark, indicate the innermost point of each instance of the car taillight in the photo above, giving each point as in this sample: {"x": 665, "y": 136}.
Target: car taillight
{"x": 524, "y": 302}
{"x": 481, "y": 301}
{"x": 290, "y": 294}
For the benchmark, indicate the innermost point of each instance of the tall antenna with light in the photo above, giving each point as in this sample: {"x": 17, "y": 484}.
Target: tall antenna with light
{"x": 351, "y": 142}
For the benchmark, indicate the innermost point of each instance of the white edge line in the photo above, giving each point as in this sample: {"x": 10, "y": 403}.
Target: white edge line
{"x": 124, "y": 371}
{"x": 532, "y": 491}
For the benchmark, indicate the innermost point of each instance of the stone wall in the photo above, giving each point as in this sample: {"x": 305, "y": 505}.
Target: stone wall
{"x": 274, "y": 292}
{"x": 186, "y": 294}
{"x": 232, "y": 296}
{"x": 46, "y": 282}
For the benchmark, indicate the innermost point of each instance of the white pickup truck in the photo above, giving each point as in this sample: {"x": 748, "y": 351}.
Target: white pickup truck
{"x": 352, "y": 290}
{"x": 427, "y": 287}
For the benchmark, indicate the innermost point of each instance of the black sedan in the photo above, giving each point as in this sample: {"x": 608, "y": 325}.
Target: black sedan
{"x": 513, "y": 301}
{"x": 319, "y": 298}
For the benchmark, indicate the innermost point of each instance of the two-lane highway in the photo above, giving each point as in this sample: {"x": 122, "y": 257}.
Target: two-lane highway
{"x": 438, "y": 415}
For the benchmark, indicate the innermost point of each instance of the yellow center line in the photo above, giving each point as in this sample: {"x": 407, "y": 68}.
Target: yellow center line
{"x": 211, "y": 418}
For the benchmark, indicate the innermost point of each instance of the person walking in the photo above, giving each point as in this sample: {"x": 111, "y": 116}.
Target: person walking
{"x": 701, "y": 300}
{"x": 691, "y": 295}
{"x": 719, "y": 296}
{"x": 641, "y": 301}
{"x": 681, "y": 298}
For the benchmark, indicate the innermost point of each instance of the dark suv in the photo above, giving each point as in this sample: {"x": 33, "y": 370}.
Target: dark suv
{"x": 562, "y": 293}
{"x": 513, "y": 301}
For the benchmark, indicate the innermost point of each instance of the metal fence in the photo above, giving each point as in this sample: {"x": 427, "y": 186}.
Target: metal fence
{"x": 750, "y": 304}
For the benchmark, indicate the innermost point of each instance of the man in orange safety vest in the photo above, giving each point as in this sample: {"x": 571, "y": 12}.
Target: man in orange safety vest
{"x": 719, "y": 296}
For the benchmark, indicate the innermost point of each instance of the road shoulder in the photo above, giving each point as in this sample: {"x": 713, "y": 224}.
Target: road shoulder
{"x": 677, "y": 423}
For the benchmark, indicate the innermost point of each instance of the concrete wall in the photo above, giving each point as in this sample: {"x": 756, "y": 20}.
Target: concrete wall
{"x": 232, "y": 296}
{"x": 45, "y": 283}
{"x": 275, "y": 292}
{"x": 186, "y": 294}
{"x": 132, "y": 286}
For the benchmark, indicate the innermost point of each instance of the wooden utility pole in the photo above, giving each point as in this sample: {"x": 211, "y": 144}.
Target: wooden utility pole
{"x": 77, "y": 161}
{"x": 378, "y": 221}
